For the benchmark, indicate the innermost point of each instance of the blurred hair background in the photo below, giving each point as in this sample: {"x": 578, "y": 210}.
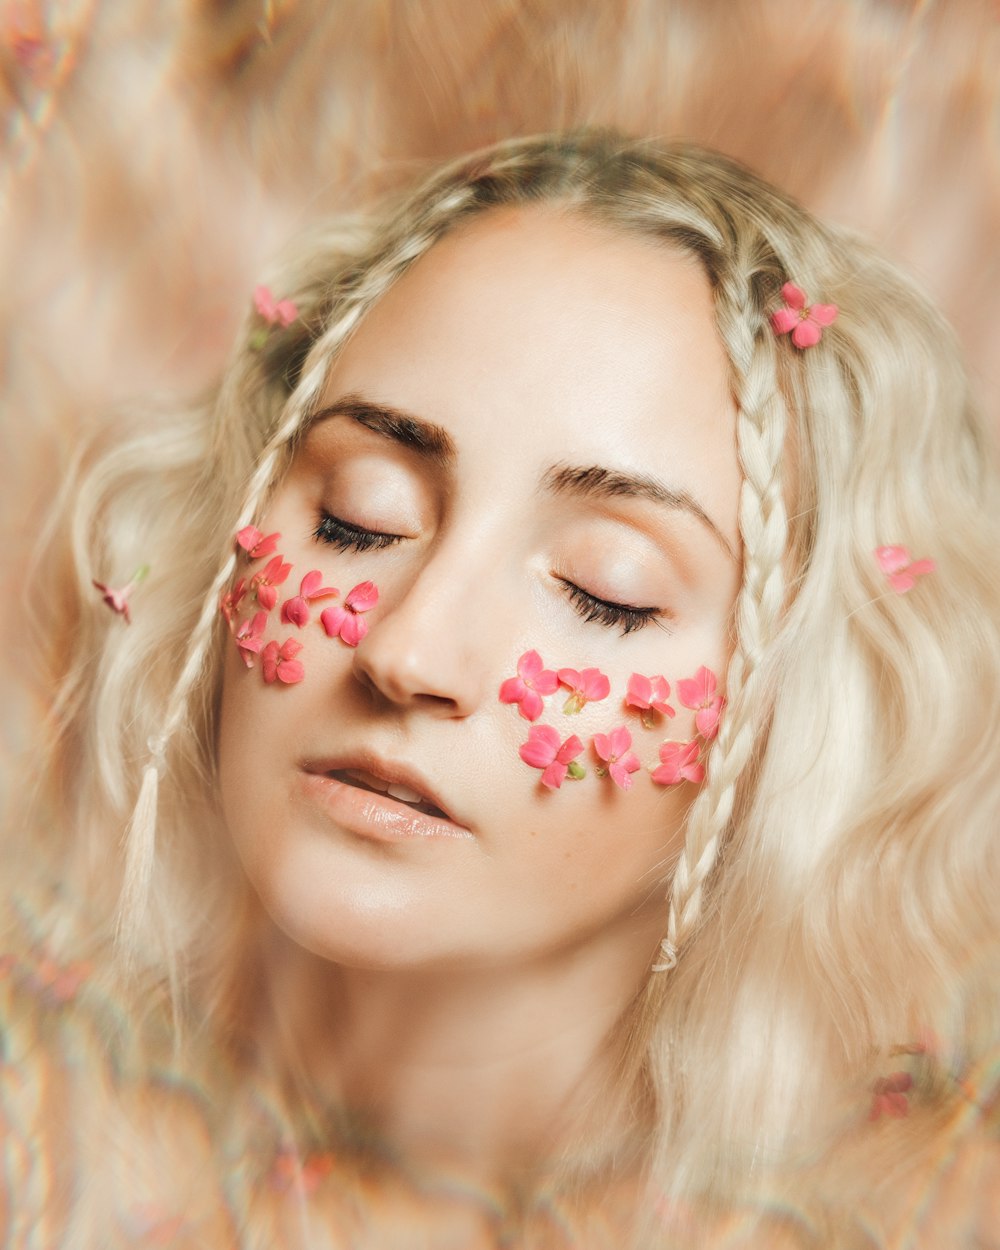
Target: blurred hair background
{"x": 156, "y": 153}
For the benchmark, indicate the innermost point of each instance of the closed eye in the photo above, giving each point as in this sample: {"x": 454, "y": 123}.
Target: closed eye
{"x": 623, "y": 616}
{"x": 347, "y": 537}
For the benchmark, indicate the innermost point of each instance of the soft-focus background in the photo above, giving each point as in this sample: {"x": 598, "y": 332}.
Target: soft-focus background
{"x": 157, "y": 152}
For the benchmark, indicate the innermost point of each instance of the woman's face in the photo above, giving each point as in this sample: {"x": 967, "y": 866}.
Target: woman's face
{"x": 528, "y": 445}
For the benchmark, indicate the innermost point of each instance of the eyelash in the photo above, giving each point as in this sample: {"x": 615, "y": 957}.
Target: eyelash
{"x": 347, "y": 537}
{"x": 612, "y": 615}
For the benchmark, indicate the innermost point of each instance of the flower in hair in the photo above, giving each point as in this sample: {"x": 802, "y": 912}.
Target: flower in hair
{"x": 117, "y": 599}
{"x": 805, "y": 322}
{"x": 613, "y": 748}
{"x": 648, "y": 694}
{"x": 678, "y": 762}
{"x": 290, "y": 1172}
{"x": 698, "y": 693}
{"x": 526, "y": 689}
{"x": 346, "y": 622}
{"x": 901, "y": 571}
{"x": 264, "y": 583}
{"x": 250, "y": 638}
{"x": 276, "y": 312}
{"x": 295, "y": 611}
{"x": 889, "y": 1096}
{"x": 255, "y": 544}
{"x": 280, "y": 664}
{"x": 585, "y": 687}
{"x": 544, "y": 750}
{"x": 232, "y": 599}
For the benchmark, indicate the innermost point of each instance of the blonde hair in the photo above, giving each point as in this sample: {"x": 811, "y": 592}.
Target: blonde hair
{"x": 834, "y": 893}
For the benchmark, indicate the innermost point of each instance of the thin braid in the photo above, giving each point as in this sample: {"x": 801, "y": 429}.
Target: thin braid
{"x": 760, "y": 432}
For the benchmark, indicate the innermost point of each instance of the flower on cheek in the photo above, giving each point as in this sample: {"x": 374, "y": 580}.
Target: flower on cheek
{"x": 544, "y": 750}
{"x": 345, "y": 622}
{"x": 232, "y": 599}
{"x": 280, "y": 664}
{"x": 585, "y": 687}
{"x": 901, "y": 571}
{"x": 889, "y": 1096}
{"x": 649, "y": 695}
{"x": 678, "y": 762}
{"x": 295, "y": 611}
{"x": 698, "y": 693}
{"x": 255, "y": 544}
{"x": 526, "y": 689}
{"x": 250, "y": 638}
{"x": 805, "y": 323}
{"x": 621, "y": 762}
{"x": 264, "y": 583}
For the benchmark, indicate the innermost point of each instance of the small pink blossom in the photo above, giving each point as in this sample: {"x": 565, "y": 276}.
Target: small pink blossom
{"x": 588, "y": 686}
{"x": 295, "y": 611}
{"x": 280, "y": 664}
{"x": 648, "y": 694}
{"x": 698, "y": 693}
{"x": 280, "y": 312}
{"x": 117, "y": 599}
{"x": 526, "y": 689}
{"x": 901, "y": 571}
{"x": 345, "y": 622}
{"x": 613, "y": 748}
{"x": 250, "y": 638}
{"x": 805, "y": 323}
{"x": 232, "y": 599}
{"x": 544, "y": 750}
{"x": 264, "y": 583}
{"x": 889, "y": 1096}
{"x": 255, "y": 544}
{"x": 678, "y": 762}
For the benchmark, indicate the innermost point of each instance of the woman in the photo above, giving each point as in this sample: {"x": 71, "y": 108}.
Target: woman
{"x": 576, "y": 827}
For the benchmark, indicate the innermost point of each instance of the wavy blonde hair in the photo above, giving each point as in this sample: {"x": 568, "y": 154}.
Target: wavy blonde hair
{"x": 835, "y": 890}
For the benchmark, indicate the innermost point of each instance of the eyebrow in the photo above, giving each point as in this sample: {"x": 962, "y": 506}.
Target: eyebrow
{"x": 596, "y": 482}
{"x": 428, "y": 440}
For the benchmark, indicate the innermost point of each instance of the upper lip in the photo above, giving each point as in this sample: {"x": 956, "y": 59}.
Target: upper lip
{"x": 395, "y": 772}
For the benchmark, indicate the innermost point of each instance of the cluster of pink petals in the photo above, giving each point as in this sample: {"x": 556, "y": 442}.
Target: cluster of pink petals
{"x": 295, "y": 611}
{"x": 526, "y": 689}
{"x": 889, "y": 1096}
{"x": 231, "y": 600}
{"x": 117, "y": 600}
{"x": 698, "y": 693}
{"x": 649, "y": 694}
{"x": 255, "y": 544}
{"x": 805, "y": 322}
{"x": 264, "y": 584}
{"x": 250, "y": 638}
{"x": 281, "y": 312}
{"x": 544, "y": 750}
{"x": 614, "y": 750}
{"x": 280, "y": 664}
{"x": 900, "y": 569}
{"x": 588, "y": 686}
{"x": 678, "y": 762}
{"x": 345, "y": 620}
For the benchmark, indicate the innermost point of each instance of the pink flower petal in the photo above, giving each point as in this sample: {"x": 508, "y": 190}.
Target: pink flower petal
{"x": 263, "y": 301}
{"x": 595, "y": 685}
{"x": 249, "y": 537}
{"x": 512, "y": 690}
{"x": 784, "y": 320}
{"x": 353, "y": 629}
{"x": 542, "y": 746}
{"x": 331, "y": 619}
{"x": 290, "y": 648}
{"x": 678, "y": 762}
{"x": 806, "y": 334}
{"x": 892, "y": 559}
{"x": 554, "y": 775}
{"x": 295, "y": 611}
{"x": 285, "y": 312}
{"x": 621, "y": 740}
{"x": 639, "y": 691}
{"x": 698, "y": 690}
{"x": 793, "y": 295}
{"x": 531, "y": 705}
{"x": 269, "y": 660}
{"x": 267, "y": 596}
{"x": 529, "y": 665}
{"x": 363, "y": 597}
{"x": 602, "y": 745}
{"x": 290, "y": 672}
{"x": 919, "y": 567}
{"x": 707, "y": 719}
{"x": 622, "y": 769}
{"x": 569, "y": 750}
{"x": 824, "y": 314}
{"x": 312, "y": 587}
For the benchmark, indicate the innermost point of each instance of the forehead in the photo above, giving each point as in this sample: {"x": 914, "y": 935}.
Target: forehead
{"x": 538, "y": 332}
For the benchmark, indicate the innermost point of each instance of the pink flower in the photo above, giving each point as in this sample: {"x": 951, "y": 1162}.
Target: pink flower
{"x": 280, "y": 664}
{"x": 902, "y": 573}
{"x": 698, "y": 692}
{"x": 295, "y": 611}
{"x": 117, "y": 599}
{"x": 613, "y": 748}
{"x": 346, "y": 622}
{"x": 585, "y": 687}
{"x": 232, "y": 599}
{"x": 648, "y": 694}
{"x": 805, "y": 323}
{"x": 526, "y": 689}
{"x": 544, "y": 750}
{"x": 678, "y": 762}
{"x": 275, "y": 312}
{"x": 290, "y": 1173}
{"x": 263, "y": 583}
{"x": 889, "y": 1096}
{"x": 250, "y": 638}
{"x": 255, "y": 544}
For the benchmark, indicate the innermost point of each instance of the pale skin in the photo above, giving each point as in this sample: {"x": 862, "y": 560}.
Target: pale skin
{"x": 458, "y": 985}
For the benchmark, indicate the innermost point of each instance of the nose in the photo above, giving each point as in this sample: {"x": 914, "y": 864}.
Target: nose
{"x": 430, "y": 644}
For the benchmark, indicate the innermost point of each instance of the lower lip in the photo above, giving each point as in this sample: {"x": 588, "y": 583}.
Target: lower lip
{"x": 372, "y": 815}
